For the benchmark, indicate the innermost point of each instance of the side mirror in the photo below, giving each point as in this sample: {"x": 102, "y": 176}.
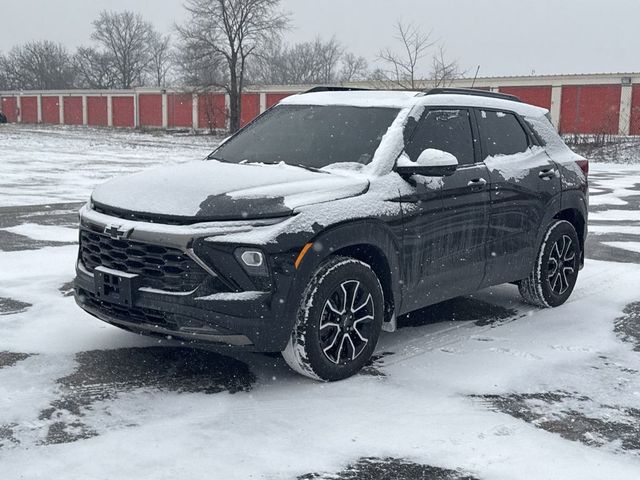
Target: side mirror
{"x": 430, "y": 163}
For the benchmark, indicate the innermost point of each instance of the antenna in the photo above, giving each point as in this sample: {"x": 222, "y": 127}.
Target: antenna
{"x": 475, "y": 76}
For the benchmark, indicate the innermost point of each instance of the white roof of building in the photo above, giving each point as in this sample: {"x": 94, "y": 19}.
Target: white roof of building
{"x": 408, "y": 99}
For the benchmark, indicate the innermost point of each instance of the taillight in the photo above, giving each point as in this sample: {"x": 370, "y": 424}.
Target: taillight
{"x": 584, "y": 166}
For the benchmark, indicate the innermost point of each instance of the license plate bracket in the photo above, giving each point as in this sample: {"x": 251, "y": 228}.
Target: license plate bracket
{"x": 115, "y": 286}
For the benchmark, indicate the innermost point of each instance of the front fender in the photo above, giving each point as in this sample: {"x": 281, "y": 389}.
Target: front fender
{"x": 366, "y": 233}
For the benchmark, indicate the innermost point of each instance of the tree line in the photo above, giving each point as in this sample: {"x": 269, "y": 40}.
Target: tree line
{"x": 224, "y": 44}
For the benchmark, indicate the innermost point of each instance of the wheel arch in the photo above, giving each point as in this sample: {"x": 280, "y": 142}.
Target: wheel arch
{"x": 572, "y": 208}
{"x": 374, "y": 257}
{"x": 370, "y": 241}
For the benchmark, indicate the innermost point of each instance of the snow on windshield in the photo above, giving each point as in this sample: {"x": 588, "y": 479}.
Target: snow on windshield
{"x": 310, "y": 136}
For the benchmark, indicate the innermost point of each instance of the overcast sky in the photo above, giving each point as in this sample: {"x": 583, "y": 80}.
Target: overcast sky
{"x": 504, "y": 37}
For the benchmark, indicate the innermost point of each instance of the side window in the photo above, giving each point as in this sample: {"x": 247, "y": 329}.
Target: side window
{"x": 502, "y": 133}
{"x": 446, "y": 130}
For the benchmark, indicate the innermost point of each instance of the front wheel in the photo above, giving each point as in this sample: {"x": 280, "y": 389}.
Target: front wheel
{"x": 555, "y": 272}
{"x": 339, "y": 321}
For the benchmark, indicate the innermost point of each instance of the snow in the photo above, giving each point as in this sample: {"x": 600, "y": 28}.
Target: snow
{"x": 517, "y": 166}
{"x": 391, "y": 146}
{"x": 616, "y": 215}
{"x": 63, "y": 164}
{"x": 404, "y": 100}
{"x": 181, "y": 190}
{"x": 318, "y": 189}
{"x": 606, "y": 200}
{"x": 553, "y": 143}
{"x": 376, "y": 202}
{"x": 49, "y": 233}
{"x": 233, "y": 296}
{"x": 607, "y": 229}
{"x": 420, "y": 409}
{"x": 388, "y": 99}
{"x": 631, "y": 246}
{"x": 430, "y": 157}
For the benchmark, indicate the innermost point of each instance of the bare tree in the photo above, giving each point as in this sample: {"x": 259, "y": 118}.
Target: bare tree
{"x": 231, "y": 30}
{"x": 307, "y": 63}
{"x": 4, "y": 79}
{"x": 354, "y": 68}
{"x": 443, "y": 71}
{"x": 402, "y": 68}
{"x": 39, "y": 65}
{"x": 303, "y": 63}
{"x": 127, "y": 37}
{"x": 161, "y": 58}
{"x": 95, "y": 69}
{"x": 329, "y": 54}
{"x": 200, "y": 69}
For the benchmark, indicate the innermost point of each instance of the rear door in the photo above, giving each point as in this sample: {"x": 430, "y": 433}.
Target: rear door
{"x": 446, "y": 220}
{"x": 524, "y": 180}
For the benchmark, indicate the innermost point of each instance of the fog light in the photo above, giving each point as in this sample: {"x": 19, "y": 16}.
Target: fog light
{"x": 252, "y": 258}
{"x": 254, "y": 263}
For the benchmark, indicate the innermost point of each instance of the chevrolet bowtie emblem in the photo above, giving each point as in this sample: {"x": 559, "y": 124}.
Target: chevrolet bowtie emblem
{"x": 116, "y": 232}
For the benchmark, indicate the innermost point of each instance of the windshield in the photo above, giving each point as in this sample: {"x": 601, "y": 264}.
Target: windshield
{"x": 310, "y": 136}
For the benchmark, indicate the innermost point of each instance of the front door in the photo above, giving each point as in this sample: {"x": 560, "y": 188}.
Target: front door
{"x": 445, "y": 220}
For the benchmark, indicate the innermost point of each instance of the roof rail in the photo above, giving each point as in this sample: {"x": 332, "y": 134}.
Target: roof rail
{"x": 471, "y": 91}
{"x": 329, "y": 88}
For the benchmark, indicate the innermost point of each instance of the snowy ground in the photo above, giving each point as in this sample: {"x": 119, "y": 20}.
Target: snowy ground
{"x": 480, "y": 387}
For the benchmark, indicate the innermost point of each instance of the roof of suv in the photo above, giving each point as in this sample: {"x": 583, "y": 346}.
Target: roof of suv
{"x": 407, "y": 99}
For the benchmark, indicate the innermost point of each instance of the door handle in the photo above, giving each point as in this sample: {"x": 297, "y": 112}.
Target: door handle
{"x": 477, "y": 182}
{"x": 547, "y": 173}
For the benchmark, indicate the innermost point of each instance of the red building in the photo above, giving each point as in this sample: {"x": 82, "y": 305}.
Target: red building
{"x": 585, "y": 104}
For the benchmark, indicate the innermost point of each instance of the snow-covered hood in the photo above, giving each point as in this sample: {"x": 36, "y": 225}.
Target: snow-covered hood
{"x": 212, "y": 190}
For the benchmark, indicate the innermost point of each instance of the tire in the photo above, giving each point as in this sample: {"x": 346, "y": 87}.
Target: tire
{"x": 338, "y": 321}
{"x": 555, "y": 271}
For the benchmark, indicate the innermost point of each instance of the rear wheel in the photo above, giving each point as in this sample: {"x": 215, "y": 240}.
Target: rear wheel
{"x": 555, "y": 272}
{"x": 339, "y": 321}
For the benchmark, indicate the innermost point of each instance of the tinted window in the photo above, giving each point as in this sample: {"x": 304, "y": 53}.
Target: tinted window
{"x": 502, "y": 133}
{"x": 446, "y": 130}
{"x": 313, "y": 136}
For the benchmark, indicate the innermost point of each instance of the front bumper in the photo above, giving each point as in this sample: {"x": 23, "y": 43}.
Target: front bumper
{"x": 261, "y": 321}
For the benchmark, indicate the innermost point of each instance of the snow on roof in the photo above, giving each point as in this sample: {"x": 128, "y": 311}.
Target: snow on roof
{"x": 407, "y": 99}
{"x": 364, "y": 98}
{"x": 479, "y": 101}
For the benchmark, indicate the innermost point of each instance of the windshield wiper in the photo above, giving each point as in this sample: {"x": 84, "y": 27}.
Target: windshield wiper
{"x": 307, "y": 167}
{"x": 246, "y": 162}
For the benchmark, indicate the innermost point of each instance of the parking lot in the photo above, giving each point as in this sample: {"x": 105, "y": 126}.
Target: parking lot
{"x": 482, "y": 386}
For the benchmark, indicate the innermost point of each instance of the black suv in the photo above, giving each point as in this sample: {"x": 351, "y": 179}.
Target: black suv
{"x": 310, "y": 230}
